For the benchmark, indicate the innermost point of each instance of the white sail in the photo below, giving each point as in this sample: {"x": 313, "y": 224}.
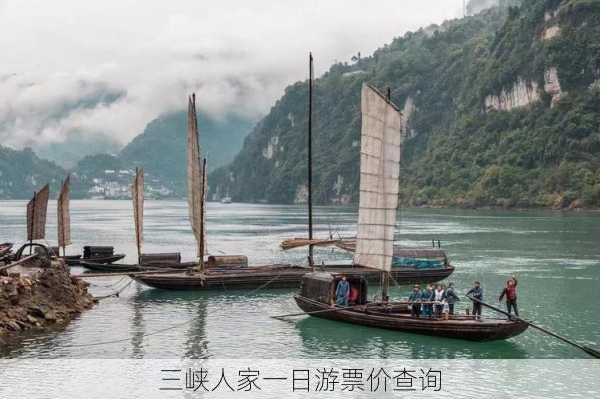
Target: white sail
{"x": 137, "y": 195}
{"x": 63, "y": 214}
{"x": 195, "y": 179}
{"x": 36, "y": 214}
{"x": 379, "y": 180}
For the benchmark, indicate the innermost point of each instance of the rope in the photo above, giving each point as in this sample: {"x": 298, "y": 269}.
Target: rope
{"x": 106, "y": 285}
{"x": 155, "y": 332}
{"x": 116, "y": 293}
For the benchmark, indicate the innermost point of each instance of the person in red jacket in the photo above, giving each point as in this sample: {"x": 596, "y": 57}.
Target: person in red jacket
{"x": 510, "y": 291}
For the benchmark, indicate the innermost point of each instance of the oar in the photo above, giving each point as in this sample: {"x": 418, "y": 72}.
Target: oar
{"x": 588, "y": 350}
{"x": 336, "y": 309}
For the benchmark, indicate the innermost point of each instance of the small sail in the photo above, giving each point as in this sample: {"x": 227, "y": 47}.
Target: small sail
{"x": 63, "y": 214}
{"x": 379, "y": 180}
{"x": 36, "y": 214}
{"x": 137, "y": 194}
{"x": 195, "y": 179}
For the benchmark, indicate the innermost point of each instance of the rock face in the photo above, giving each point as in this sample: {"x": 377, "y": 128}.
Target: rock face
{"x": 522, "y": 94}
{"x": 552, "y": 85}
{"x": 45, "y": 298}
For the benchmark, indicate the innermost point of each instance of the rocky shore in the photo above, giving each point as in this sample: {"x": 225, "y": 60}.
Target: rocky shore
{"x": 41, "y": 299}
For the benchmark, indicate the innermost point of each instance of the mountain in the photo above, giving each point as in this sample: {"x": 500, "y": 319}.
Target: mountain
{"x": 22, "y": 173}
{"x": 161, "y": 148}
{"x": 500, "y": 108}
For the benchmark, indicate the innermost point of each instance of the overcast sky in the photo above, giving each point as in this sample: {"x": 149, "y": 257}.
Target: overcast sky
{"x": 148, "y": 55}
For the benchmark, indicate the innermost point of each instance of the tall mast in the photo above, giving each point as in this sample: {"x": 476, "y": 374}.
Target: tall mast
{"x": 385, "y": 280}
{"x": 310, "y": 220}
{"x": 202, "y": 214}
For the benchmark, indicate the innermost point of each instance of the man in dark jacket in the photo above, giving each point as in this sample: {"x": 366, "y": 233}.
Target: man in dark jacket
{"x": 510, "y": 291}
{"x": 415, "y": 301}
{"x": 477, "y": 293}
{"x": 451, "y": 298}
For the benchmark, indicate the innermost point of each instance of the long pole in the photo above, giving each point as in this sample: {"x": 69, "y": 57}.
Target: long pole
{"x": 589, "y": 351}
{"x": 202, "y": 211}
{"x": 32, "y": 223}
{"x": 136, "y": 212}
{"x": 385, "y": 281}
{"x": 310, "y": 220}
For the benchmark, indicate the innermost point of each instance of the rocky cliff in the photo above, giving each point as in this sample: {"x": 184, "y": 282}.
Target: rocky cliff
{"x": 501, "y": 109}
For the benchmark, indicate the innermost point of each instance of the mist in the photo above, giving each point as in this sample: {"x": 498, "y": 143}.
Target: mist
{"x": 104, "y": 69}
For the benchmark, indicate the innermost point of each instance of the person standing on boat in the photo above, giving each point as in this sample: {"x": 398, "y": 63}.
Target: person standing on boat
{"x": 438, "y": 298}
{"x": 451, "y": 298}
{"x": 477, "y": 293}
{"x": 510, "y": 291}
{"x": 341, "y": 292}
{"x": 415, "y": 301}
{"x": 427, "y": 298}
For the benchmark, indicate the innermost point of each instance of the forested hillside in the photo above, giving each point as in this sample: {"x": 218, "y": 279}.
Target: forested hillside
{"x": 501, "y": 109}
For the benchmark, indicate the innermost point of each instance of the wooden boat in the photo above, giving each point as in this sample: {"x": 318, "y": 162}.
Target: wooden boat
{"x": 318, "y": 290}
{"x": 277, "y": 276}
{"x": 409, "y": 265}
{"x": 219, "y": 272}
{"x": 113, "y": 267}
{"x": 5, "y": 248}
{"x": 374, "y": 246}
{"x": 76, "y": 261}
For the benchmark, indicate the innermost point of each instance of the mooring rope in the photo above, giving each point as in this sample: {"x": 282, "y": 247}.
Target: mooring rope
{"x": 155, "y": 332}
{"x": 116, "y": 293}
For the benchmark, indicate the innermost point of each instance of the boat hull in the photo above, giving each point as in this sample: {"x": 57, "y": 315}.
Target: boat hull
{"x": 98, "y": 259}
{"x": 278, "y": 276}
{"x": 463, "y": 328}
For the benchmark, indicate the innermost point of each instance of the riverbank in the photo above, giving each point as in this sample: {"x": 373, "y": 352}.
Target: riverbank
{"x": 42, "y": 299}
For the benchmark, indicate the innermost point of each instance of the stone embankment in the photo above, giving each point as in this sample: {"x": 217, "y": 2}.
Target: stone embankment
{"x": 40, "y": 299}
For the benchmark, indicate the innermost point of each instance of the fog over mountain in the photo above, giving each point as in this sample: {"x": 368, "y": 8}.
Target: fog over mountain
{"x": 94, "y": 74}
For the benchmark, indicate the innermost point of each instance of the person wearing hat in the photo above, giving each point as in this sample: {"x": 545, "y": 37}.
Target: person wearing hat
{"x": 415, "y": 301}
{"x": 476, "y": 293}
{"x": 451, "y": 298}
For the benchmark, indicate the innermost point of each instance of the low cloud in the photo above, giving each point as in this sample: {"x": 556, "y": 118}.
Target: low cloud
{"x": 107, "y": 68}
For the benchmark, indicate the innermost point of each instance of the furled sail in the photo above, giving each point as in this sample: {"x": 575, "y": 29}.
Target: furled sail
{"x": 379, "y": 180}
{"x": 137, "y": 194}
{"x": 63, "y": 214}
{"x": 36, "y": 214}
{"x": 195, "y": 179}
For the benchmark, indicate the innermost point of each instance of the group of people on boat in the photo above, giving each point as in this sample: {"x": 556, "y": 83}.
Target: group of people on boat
{"x": 433, "y": 302}
{"x": 436, "y": 301}
{"x": 439, "y": 302}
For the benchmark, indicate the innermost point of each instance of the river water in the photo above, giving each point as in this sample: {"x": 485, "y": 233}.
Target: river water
{"x": 555, "y": 256}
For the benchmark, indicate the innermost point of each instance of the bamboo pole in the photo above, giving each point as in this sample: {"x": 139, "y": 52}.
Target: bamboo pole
{"x": 588, "y": 350}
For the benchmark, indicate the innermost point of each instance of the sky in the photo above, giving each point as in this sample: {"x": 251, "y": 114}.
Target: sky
{"x": 107, "y": 68}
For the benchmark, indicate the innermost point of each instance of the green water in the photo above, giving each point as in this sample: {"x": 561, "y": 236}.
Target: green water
{"x": 555, "y": 255}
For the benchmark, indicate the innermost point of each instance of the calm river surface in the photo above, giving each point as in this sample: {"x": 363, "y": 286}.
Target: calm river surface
{"x": 556, "y": 257}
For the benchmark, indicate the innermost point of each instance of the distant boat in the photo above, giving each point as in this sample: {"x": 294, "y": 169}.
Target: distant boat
{"x": 226, "y": 200}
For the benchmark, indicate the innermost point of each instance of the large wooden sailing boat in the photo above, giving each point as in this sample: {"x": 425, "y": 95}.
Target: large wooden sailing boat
{"x": 220, "y": 272}
{"x": 379, "y": 184}
{"x": 431, "y": 265}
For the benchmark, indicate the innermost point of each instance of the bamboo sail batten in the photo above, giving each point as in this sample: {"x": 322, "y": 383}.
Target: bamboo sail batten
{"x": 64, "y": 214}
{"x": 137, "y": 194}
{"x": 379, "y": 180}
{"x": 195, "y": 180}
{"x": 36, "y": 214}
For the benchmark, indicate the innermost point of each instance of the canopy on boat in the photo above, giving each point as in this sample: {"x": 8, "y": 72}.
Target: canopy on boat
{"x": 196, "y": 176}
{"x": 36, "y": 214}
{"x": 137, "y": 194}
{"x": 63, "y": 214}
{"x": 379, "y": 180}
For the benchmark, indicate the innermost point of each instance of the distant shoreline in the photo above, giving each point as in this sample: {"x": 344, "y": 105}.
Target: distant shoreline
{"x": 355, "y": 205}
